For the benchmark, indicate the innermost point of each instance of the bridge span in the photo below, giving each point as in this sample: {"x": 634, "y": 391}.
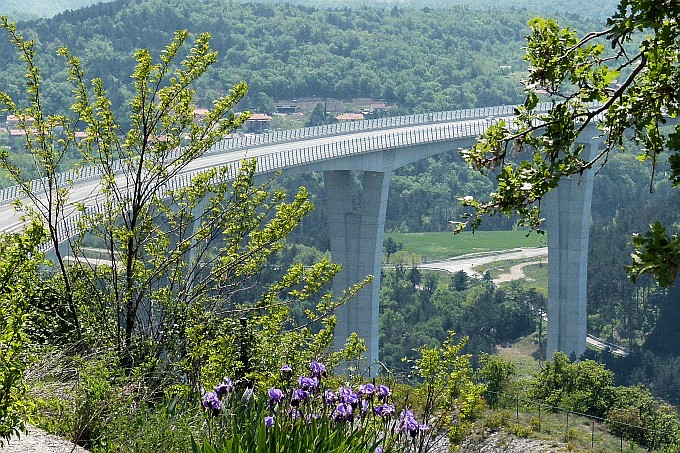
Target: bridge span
{"x": 376, "y": 148}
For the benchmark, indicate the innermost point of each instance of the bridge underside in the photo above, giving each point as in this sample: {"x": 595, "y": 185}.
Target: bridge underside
{"x": 357, "y": 232}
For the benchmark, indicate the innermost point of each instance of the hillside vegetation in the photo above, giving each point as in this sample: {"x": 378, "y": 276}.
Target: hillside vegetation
{"x": 600, "y": 10}
{"x": 416, "y": 59}
{"x": 140, "y": 390}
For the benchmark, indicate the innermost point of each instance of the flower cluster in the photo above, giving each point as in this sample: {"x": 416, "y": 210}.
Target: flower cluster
{"x": 213, "y": 400}
{"x": 409, "y": 424}
{"x": 310, "y": 399}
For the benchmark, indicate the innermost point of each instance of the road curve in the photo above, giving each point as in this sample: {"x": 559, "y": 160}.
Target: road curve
{"x": 468, "y": 262}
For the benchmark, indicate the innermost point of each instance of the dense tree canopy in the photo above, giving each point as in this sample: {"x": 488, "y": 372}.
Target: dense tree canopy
{"x": 417, "y": 59}
{"x": 600, "y": 10}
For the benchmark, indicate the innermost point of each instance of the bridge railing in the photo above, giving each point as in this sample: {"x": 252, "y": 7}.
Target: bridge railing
{"x": 306, "y": 155}
{"x": 10, "y": 194}
{"x": 248, "y": 141}
{"x": 273, "y": 162}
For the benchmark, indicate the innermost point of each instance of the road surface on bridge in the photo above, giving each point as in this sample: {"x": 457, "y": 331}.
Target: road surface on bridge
{"x": 86, "y": 191}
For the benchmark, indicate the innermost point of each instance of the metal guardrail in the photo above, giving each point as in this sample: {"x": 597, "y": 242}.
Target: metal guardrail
{"x": 306, "y": 155}
{"x": 10, "y": 194}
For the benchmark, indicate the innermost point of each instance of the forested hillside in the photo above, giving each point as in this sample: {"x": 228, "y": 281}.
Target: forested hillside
{"x": 28, "y": 9}
{"x": 416, "y": 59}
{"x": 138, "y": 384}
{"x": 596, "y": 10}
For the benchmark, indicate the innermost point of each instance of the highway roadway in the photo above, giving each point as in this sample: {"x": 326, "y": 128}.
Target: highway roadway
{"x": 277, "y": 156}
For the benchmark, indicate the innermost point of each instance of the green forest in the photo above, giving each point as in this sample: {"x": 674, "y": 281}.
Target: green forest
{"x": 419, "y": 56}
{"x": 31, "y": 9}
{"x": 418, "y": 60}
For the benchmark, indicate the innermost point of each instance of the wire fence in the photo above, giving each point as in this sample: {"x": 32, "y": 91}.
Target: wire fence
{"x": 597, "y": 434}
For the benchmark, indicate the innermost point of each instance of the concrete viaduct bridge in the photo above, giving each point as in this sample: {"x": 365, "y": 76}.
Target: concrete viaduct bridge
{"x": 376, "y": 148}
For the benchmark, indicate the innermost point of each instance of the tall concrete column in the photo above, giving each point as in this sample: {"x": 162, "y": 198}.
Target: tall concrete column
{"x": 567, "y": 213}
{"x": 356, "y": 236}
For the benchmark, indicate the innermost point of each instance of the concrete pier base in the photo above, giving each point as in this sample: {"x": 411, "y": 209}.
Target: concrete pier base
{"x": 567, "y": 213}
{"x": 356, "y": 236}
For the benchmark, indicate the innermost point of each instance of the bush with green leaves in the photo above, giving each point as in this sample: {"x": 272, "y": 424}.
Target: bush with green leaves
{"x": 19, "y": 265}
{"x": 450, "y": 398}
{"x": 497, "y": 374}
{"x": 636, "y": 415}
{"x": 179, "y": 254}
{"x": 586, "y": 386}
{"x": 164, "y": 310}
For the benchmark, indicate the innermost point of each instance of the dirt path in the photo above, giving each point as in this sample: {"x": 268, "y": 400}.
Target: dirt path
{"x": 517, "y": 271}
{"x": 468, "y": 263}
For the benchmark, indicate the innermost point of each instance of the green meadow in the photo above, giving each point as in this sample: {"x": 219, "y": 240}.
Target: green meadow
{"x": 447, "y": 244}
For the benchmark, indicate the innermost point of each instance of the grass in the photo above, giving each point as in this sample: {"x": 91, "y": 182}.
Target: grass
{"x": 575, "y": 434}
{"x": 523, "y": 353}
{"x": 537, "y": 274}
{"x": 525, "y": 420}
{"x": 446, "y": 245}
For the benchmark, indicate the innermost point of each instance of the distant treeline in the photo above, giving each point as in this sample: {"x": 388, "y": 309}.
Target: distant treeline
{"x": 28, "y": 9}
{"x": 33, "y": 9}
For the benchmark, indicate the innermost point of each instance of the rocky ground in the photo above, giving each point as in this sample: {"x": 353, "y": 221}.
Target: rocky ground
{"x": 500, "y": 442}
{"x": 38, "y": 441}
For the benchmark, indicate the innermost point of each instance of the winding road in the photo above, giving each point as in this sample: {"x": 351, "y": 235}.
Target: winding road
{"x": 468, "y": 263}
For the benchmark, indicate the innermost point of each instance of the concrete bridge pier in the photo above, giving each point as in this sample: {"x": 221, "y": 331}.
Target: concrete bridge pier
{"x": 567, "y": 213}
{"x": 356, "y": 236}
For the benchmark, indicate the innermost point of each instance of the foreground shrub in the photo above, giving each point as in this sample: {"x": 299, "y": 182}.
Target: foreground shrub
{"x": 452, "y": 400}
{"x": 18, "y": 272}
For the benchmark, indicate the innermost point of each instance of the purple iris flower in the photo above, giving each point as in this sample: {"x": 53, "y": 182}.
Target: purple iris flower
{"x": 318, "y": 370}
{"x": 406, "y": 413}
{"x": 409, "y": 424}
{"x": 378, "y": 450}
{"x": 298, "y": 396}
{"x": 383, "y": 392}
{"x": 347, "y": 395}
{"x": 286, "y": 371}
{"x": 384, "y": 410}
{"x": 268, "y": 422}
{"x": 366, "y": 391}
{"x": 308, "y": 383}
{"x": 365, "y": 406}
{"x": 224, "y": 388}
{"x": 343, "y": 412}
{"x": 310, "y": 417}
{"x": 329, "y": 397}
{"x": 275, "y": 396}
{"x": 212, "y": 402}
